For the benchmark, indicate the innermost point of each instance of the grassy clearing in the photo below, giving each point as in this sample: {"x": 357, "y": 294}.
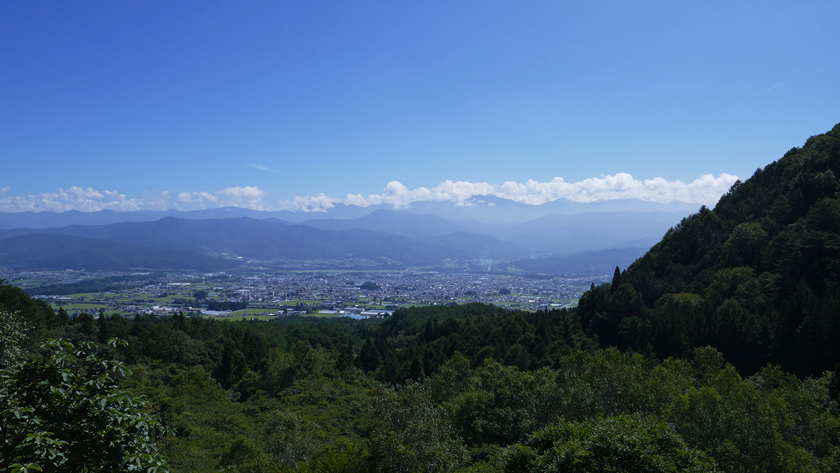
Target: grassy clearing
{"x": 321, "y": 316}
{"x": 251, "y": 311}
{"x": 237, "y": 318}
{"x": 29, "y": 283}
{"x": 80, "y": 295}
{"x": 91, "y": 307}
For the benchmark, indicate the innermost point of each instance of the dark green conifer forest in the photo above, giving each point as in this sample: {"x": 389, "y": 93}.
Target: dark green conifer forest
{"x": 716, "y": 351}
{"x": 756, "y": 278}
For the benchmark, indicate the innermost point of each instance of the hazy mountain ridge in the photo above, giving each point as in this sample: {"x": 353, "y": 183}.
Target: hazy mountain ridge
{"x": 256, "y": 239}
{"x": 588, "y": 263}
{"x": 395, "y": 222}
{"x": 383, "y": 236}
{"x": 557, "y": 234}
{"x": 58, "y": 252}
{"x": 551, "y": 234}
{"x": 488, "y": 210}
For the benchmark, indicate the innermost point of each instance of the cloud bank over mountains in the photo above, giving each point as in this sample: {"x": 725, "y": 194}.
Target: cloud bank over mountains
{"x": 248, "y": 197}
{"x": 81, "y": 199}
{"x": 706, "y": 190}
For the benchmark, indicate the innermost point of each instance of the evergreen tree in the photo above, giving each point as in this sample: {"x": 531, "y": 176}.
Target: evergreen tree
{"x": 616, "y": 280}
{"x": 137, "y": 329}
{"x": 102, "y": 327}
{"x": 369, "y": 356}
{"x": 180, "y": 321}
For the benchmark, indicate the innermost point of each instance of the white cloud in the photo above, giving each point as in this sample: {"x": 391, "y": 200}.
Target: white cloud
{"x": 319, "y": 203}
{"x": 249, "y": 197}
{"x": 80, "y": 198}
{"x": 91, "y": 200}
{"x": 197, "y": 197}
{"x": 706, "y": 189}
{"x": 399, "y": 196}
{"x": 261, "y": 167}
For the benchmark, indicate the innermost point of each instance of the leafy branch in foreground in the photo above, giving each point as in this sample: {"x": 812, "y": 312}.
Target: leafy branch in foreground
{"x": 13, "y": 332}
{"x": 64, "y": 412}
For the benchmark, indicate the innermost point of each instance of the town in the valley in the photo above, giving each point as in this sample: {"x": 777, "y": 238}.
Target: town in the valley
{"x": 269, "y": 295}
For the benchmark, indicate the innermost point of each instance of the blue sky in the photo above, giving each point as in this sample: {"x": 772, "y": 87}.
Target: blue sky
{"x": 261, "y": 104}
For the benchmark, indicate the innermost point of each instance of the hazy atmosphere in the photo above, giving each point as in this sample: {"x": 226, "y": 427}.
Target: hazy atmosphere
{"x": 419, "y": 237}
{"x": 278, "y": 105}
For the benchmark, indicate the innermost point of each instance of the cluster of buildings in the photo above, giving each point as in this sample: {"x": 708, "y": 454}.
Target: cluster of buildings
{"x": 355, "y": 294}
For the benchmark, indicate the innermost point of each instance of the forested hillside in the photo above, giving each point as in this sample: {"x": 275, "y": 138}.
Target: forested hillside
{"x": 470, "y": 388}
{"x": 713, "y": 352}
{"x": 757, "y": 277}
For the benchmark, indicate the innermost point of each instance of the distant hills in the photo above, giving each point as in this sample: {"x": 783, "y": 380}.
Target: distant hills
{"x": 351, "y": 236}
{"x": 394, "y": 222}
{"x": 491, "y": 210}
{"x": 249, "y": 239}
{"x": 59, "y": 252}
{"x": 551, "y": 234}
{"x": 587, "y": 263}
{"x": 568, "y": 234}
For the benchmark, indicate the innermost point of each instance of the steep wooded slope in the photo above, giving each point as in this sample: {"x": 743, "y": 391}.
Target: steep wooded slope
{"x": 757, "y": 277}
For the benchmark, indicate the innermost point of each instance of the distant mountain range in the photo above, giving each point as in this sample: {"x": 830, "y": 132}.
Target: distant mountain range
{"x": 491, "y": 210}
{"x": 552, "y": 234}
{"x": 587, "y": 263}
{"x": 256, "y": 240}
{"x": 222, "y": 238}
{"x": 58, "y": 252}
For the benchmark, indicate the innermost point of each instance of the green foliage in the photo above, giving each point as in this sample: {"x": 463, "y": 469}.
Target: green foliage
{"x": 413, "y": 434}
{"x": 65, "y": 412}
{"x": 195, "y": 409}
{"x": 613, "y": 444}
{"x": 37, "y": 314}
{"x": 608, "y": 407}
{"x": 242, "y": 455}
{"x": 476, "y": 388}
{"x": 13, "y": 333}
{"x": 416, "y": 342}
{"x": 764, "y": 264}
{"x": 287, "y": 439}
{"x": 501, "y": 405}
